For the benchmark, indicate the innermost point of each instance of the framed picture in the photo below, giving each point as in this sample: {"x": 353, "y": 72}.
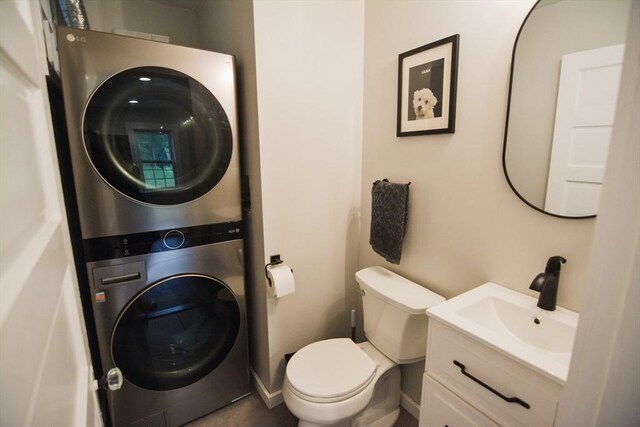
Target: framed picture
{"x": 427, "y": 78}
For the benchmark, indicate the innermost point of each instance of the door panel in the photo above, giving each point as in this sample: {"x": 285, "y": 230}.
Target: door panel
{"x": 45, "y": 372}
{"x": 587, "y": 95}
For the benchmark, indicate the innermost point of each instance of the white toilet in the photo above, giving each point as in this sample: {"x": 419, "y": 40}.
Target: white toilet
{"x": 336, "y": 382}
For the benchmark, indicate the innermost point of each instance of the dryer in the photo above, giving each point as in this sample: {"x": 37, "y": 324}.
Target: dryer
{"x": 152, "y": 133}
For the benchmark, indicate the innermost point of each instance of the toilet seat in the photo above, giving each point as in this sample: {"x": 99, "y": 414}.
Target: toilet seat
{"x": 330, "y": 371}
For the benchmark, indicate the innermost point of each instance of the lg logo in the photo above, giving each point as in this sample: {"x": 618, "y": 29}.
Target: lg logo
{"x": 72, "y": 38}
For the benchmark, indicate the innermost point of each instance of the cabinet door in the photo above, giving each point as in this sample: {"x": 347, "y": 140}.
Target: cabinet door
{"x": 511, "y": 394}
{"x": 441, "y": 408}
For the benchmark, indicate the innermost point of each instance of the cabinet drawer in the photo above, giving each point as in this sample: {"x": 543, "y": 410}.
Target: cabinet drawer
{"x": 479, "y": 375}
{"x": 441, "y": 408}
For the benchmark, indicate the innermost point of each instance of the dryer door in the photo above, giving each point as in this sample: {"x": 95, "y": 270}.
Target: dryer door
{"x": 175, "y": 332}
{"x": 157, "y": 135}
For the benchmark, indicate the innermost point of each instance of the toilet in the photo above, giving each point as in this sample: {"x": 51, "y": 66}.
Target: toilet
{"x": 337, "y": 382}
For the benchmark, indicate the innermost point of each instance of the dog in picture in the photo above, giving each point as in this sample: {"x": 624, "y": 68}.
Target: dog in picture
{"x": 423, "y": 102}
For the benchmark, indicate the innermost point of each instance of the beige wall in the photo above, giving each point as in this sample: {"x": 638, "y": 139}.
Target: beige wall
{"x": 227, "y": 27}
{"x": 466, "y": 227}
{"x": 144, "y": 16}
{"x": 551, "y": 32}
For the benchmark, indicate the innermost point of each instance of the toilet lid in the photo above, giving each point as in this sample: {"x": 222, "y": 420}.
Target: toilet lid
{"x": 330, "y": 370}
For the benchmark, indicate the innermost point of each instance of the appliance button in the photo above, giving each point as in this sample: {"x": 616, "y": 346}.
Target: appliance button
{"x": 174, "y": 239}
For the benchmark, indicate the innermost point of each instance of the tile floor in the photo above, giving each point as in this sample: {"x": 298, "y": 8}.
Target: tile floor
{"x": 252, "y": 412}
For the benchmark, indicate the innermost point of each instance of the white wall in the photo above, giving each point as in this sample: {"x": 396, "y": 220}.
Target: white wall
{"x": 466, "y": 227}
{"x": 309, "y": 58}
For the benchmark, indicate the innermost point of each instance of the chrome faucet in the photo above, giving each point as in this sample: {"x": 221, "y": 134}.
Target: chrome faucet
{"x": 547, "y": 283}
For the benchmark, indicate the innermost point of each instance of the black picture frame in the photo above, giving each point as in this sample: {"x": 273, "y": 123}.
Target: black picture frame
{"x": 427, "y": 83}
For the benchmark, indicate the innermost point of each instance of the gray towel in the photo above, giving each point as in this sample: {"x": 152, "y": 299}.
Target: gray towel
{"x": 389, "y": 210}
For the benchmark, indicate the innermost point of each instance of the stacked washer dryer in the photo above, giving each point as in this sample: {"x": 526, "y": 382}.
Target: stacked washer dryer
{"x": 154, "y": 152}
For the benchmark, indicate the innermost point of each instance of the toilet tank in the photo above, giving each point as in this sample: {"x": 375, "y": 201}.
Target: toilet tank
{"x": 395, "y": 319}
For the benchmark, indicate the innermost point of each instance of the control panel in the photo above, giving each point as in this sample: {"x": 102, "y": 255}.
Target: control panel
{"x": 121, "y": 246}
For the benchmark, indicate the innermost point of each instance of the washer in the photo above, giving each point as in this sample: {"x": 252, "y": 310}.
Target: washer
{"x": 174, "y": 323}
{"x": 152, "y": 133}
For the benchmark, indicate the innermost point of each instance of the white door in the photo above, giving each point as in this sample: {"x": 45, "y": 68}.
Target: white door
{"x": 45, "y": 371}
{"x": 587, "y": 97}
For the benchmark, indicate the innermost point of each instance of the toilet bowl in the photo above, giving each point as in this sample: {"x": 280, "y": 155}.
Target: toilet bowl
{"x": 329, "y": 382}
{"x": 337, "y": 382}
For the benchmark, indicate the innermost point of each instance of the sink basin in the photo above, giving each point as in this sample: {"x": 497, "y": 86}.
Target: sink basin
{"x": 511, "y": 323}
{"x": 522, "y": 322}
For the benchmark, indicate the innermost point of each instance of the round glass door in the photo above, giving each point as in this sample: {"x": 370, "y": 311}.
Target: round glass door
{"x": 157, "y": 135}
{"x": 175, "y": 332}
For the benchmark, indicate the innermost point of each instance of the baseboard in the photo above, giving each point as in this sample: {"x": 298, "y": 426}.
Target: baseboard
{"x": 270, "y": 399}
{"x": 410, "y": 405}
{"x": 274, "y": 399}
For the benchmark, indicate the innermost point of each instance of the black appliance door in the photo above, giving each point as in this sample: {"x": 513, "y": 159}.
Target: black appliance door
{"x": 175, "y": 332}
{"x": 157, "y": 135}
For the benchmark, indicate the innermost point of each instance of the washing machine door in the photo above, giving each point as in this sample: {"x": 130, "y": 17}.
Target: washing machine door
{"x": 175, "y": 332}
{"x": 157, "y": 135}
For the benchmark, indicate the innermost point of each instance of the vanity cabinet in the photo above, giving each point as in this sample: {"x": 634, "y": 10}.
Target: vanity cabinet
{"x": 447, "y": 409}
{"x": 468, "y": 383}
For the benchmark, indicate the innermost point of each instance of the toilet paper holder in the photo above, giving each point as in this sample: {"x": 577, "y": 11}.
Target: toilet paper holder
{"x": 274, "y": 260}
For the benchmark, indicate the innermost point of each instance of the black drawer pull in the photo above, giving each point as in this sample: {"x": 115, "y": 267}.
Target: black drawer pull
{"x": 491, "y": 389}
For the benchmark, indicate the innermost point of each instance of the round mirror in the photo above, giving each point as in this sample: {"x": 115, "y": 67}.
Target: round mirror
{"x": 565, "y": 75}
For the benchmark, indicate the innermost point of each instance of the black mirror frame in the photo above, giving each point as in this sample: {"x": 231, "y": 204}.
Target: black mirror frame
{"x": 506, "y": 129}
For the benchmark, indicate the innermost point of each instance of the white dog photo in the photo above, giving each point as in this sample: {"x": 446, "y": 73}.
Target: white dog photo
{"x": 423, "y": 103}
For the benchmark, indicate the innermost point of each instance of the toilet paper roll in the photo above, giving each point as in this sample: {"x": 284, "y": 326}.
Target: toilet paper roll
{"x": 282, "y": 282}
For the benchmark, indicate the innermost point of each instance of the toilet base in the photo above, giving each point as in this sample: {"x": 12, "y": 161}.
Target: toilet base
{"x": 308, "y": 424}
{"x": 388, "y": 420}
{"x": 383, "y": 409}
{"x": 377, "y": 405}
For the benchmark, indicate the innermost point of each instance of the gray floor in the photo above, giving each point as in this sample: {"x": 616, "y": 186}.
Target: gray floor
{"x": 252, "y": 412}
